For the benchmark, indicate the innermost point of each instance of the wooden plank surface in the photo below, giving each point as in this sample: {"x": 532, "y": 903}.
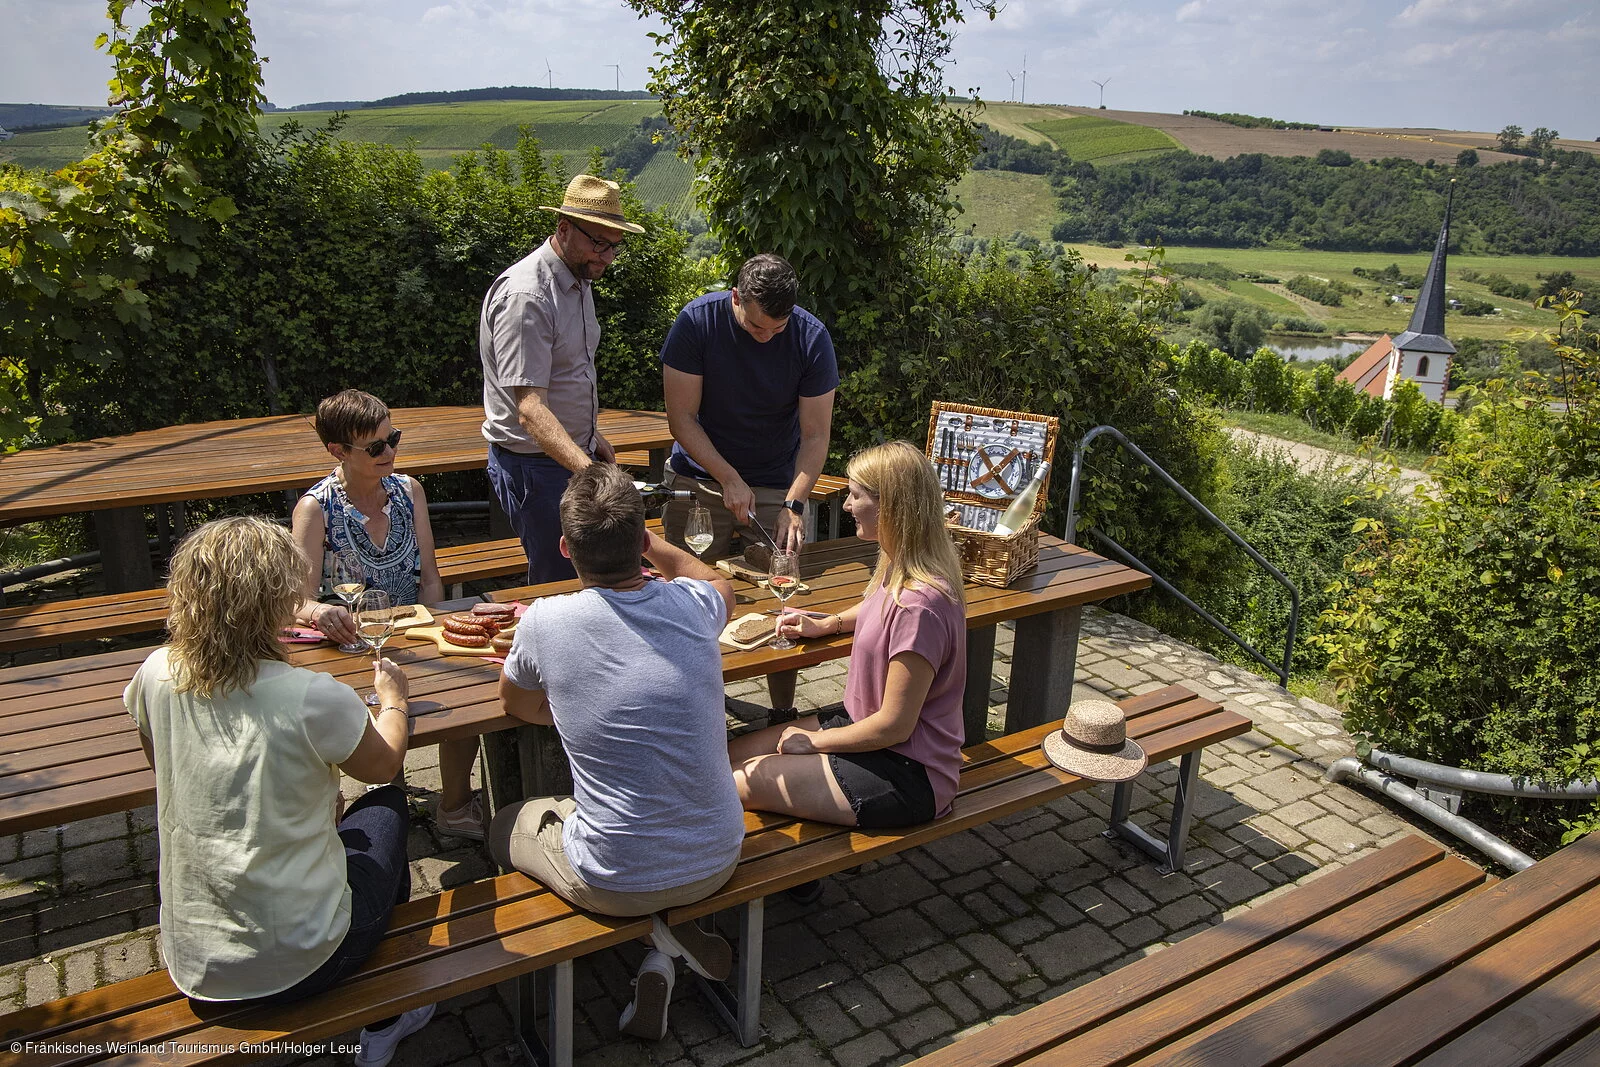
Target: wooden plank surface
{"x": 228, "y": 458}
{"x": 56, "y": 715}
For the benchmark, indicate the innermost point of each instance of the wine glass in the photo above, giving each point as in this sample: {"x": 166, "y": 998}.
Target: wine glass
{"x": 374, "y": 623}
{"x": 784, "y": 583}
{"x": 349, "y": 580}
{"x": 697, "y": 532}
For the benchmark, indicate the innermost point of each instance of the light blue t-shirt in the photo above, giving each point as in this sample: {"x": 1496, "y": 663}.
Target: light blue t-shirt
{"x": 635, "y": 686}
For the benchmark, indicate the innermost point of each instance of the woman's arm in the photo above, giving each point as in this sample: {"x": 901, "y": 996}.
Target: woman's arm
{"x": 381, "y": 752}
{"x": 430, "y": 587}
{"x": 904, "y": 691}
{"x": 308, "y": 529}
{"x": 796, "y": 625}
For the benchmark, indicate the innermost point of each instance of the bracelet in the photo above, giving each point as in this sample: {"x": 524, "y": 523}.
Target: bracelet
{"x": 394, "y": 707}
{"x": 838, "y": 624}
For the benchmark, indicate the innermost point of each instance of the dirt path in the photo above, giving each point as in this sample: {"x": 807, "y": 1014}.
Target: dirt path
{"x": 1308, "y": 457}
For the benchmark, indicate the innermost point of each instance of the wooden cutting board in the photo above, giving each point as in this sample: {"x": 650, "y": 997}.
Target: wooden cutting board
{"x": 436, "y": 635}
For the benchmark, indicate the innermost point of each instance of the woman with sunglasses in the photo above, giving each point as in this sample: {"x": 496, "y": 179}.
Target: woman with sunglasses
{"x": 365, "y": 510}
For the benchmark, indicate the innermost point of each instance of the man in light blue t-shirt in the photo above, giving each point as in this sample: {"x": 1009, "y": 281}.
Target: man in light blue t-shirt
{"x": 629, "y": 671}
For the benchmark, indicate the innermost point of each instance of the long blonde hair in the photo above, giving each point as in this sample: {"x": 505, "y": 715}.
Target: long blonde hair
{"x": 917, "y": 549}
{"x": 234, "y": 584}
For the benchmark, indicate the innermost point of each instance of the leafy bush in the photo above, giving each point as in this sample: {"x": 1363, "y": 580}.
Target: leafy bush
{"x": 1500, "y": 285}
{"x": 1471, "y": 305}
{"x": 1474, "y": 642}
{"x": 1213, "y": 271}
{"x": 1321, "y": 290}
{"x": 1390, "y": 276}
{"x": 1292, "y": 324}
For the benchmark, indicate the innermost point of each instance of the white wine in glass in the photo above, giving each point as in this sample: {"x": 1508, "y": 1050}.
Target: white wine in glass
{"x": 349, "y": 581}
{"x": 784, "y": 583}
{"x": 374, "y": 624}
{"x": 697, "y": 532}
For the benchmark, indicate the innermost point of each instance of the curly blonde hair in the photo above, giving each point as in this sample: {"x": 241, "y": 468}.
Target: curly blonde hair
{"x": 234, "y": 585}
{"x": 916, "y": 543}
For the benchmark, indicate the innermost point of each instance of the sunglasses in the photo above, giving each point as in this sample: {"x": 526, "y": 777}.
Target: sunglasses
{"x": 601, "y": 245}
{"x": 375, "y": 448}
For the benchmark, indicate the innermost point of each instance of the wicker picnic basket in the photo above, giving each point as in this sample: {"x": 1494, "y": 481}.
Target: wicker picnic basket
{"x": 963, "y": 440}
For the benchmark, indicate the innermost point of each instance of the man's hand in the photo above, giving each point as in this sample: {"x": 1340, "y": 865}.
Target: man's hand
{"x": 603, "y": 450}
{"x": 796, "y": 742}
{"x": 739, "y": 499}
{"x": 791, "y": 531}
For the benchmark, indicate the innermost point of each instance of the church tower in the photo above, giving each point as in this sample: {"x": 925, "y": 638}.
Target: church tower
{"x": 1423, "y": 353}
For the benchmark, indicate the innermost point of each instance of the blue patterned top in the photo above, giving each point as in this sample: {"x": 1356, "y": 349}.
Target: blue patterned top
{"x": 396, "y": 566}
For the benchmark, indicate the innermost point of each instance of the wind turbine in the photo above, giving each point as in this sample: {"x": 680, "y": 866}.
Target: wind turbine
{"x": 549, "y": 76}
{"x": 1013, "y": 78}
{"x": 617, "y": 67}
{"x": 1024, "y": 77}
{"x": 1102, "y": 91}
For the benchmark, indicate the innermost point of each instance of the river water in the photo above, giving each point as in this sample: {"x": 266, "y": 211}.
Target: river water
{"x": 1306, "y": 349}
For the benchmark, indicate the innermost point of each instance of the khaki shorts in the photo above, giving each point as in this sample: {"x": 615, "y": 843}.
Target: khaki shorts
{"x": 527, "y": 837}
{"x": 769, "y": 503}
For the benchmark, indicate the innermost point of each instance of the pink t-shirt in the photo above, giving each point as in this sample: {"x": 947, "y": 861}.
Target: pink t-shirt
{"x": 934, "y": 627}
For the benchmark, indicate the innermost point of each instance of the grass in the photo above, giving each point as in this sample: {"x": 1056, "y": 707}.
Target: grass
{"x": 665, "y": 182}
{"x": 1370, "y": 311}
{"x": 1093, "y": 139}
{"x": 1017, "y": 120}
{"x": 998, "y": 203}
{"x": 1290, "y": 428}
{"x": 438, "y": 132}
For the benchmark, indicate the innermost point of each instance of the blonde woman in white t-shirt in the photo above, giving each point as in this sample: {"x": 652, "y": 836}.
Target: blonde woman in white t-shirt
{"x": 263, "y": 897}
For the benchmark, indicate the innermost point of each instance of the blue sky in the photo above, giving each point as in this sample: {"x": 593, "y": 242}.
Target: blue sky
{"x": 1462, "y": 64}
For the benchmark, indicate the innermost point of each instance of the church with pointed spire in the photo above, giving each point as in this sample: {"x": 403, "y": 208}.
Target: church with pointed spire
{"x": 1422, "y": 353}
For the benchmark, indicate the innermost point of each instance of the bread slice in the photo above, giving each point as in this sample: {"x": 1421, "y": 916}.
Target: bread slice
{"x": 751, "y": 629}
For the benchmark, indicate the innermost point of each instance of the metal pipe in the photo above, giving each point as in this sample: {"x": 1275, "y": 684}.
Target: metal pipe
{"x": 1481, "y": 781}
{"x": 1496, "y": 849}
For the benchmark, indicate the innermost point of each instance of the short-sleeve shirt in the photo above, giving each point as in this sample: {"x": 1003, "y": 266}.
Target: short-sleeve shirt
{"x": 934, "y": 627}
{"x": 634, "y": 679}
{"x": 254, "y": 894}
{"x": 538, "y": 328}
{"x": 750, "y": 392}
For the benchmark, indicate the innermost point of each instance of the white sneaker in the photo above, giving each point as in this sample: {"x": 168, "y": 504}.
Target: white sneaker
{"x": 646, "y": 1014}
{"x": 377, "y": 1046}
{"x": 708, "y": 955}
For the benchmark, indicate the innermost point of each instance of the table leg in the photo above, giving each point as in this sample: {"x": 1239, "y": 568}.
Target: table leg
{"x": 527, "y": 761}
{"x": 980, "y": 680}
{"x": 124, "y": 550}
{"x": 1043, "y": 663}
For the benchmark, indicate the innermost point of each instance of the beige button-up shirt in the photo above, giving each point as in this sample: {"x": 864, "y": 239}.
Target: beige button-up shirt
{"x": 538, "y": 328}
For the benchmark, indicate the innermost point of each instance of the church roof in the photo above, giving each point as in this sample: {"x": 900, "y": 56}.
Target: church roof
{"x": 1426, "y": 332}
{"x": 1370, "y": 371}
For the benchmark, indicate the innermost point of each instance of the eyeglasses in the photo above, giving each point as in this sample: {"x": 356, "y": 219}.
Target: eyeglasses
{"x": 601, "y": 246}
{"x": 375, "y": 448}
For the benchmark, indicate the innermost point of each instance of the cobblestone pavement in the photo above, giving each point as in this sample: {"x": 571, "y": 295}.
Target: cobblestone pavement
{"x": 899, "y": 957}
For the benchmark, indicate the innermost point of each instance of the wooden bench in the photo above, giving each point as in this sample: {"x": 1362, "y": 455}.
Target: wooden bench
{"x": 1406, "y": 956}
{"x": 509, "y": 927}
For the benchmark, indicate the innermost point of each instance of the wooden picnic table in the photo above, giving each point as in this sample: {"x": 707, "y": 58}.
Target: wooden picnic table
{"x": 69, "y": 750}
{"x": 116, "y": 477}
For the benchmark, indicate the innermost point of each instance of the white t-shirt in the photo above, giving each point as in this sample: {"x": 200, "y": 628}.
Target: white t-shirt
{"x": 635, "y": 686}
{"x": 253, "y": 886}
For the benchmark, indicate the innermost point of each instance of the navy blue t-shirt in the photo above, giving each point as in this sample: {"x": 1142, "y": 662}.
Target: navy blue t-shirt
{"x": 750, "y": 392}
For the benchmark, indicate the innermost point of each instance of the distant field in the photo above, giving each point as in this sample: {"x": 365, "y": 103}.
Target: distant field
{"x": 664, "y": 182}
{"x": 1370, "y": 312}
{"x": 1096, "y": 139}
{"x": 998, "y": 203}
{"x": 439, "y": 132}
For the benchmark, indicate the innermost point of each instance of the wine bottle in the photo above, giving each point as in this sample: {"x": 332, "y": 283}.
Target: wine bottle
{"x": 657, "y": 494}
{"x": 1021, "y": 508}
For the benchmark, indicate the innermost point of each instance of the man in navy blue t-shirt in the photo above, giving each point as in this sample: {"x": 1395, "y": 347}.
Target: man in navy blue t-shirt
{"x": 749, "y": 381}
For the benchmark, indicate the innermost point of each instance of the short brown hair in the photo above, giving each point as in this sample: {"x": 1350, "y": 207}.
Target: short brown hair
{"x": 602, "y": 518}
{"x": 768, "y": 280}
{"x": 345, "y": 416}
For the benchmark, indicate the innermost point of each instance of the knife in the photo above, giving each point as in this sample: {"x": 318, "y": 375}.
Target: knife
{"x": 948, "y": 464}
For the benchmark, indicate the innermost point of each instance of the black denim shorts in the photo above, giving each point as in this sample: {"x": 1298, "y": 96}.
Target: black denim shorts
{"x": 884, "y": 788}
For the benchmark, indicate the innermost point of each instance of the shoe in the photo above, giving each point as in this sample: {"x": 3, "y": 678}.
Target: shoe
{"x": 646, "y": 1014}
{"x": 708, "y": 955}
{"x": 779, "y": 716}
{"x": 377, "y": 1046}
{"x": 806, "y": 893}
{"x": 465, "y": 821}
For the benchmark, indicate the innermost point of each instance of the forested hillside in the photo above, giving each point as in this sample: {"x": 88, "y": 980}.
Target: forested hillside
{"x": 1549, "y": 206}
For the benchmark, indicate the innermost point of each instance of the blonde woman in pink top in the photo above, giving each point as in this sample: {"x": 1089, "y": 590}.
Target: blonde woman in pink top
{"x": 892, "y": 756}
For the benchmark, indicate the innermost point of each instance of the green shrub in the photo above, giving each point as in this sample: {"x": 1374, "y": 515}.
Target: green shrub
{"x": 1475, "y": 641}
{"x": 1318, "y": 289}
{"x": 1269, "y": 383}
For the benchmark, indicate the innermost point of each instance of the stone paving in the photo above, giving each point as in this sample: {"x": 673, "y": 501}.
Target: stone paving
{"x": 900, "y": 956}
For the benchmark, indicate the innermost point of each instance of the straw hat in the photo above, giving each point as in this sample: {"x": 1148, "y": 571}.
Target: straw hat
{"x": 594, "y": 200}
{"x": 1093, "y": 743}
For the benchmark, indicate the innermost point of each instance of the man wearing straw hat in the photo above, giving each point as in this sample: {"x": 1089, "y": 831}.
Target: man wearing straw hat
{"x": 537, "y": 336}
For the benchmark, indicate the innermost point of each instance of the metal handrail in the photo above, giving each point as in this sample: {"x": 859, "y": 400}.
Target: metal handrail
{"x": 1070, "y": 535}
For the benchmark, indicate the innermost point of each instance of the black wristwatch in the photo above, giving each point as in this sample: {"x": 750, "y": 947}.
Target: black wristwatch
{"x": 796, "y": 506}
